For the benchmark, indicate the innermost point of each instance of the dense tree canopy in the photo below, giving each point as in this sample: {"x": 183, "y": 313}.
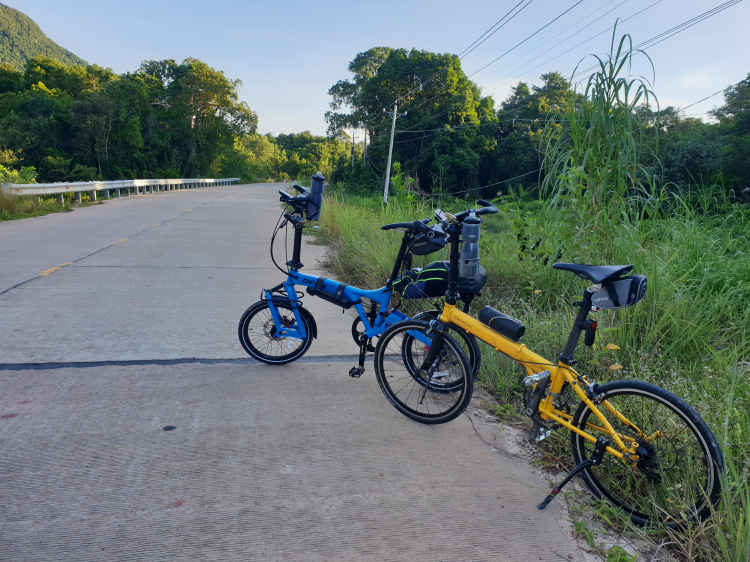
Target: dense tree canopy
{"x": 164, "y": 120}
{"x": 453, "y": 140}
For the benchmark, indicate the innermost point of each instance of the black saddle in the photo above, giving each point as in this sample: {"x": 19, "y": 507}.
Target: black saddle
{"x": 595, "y": 273}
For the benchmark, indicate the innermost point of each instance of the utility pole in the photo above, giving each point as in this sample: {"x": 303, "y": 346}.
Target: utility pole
{"x": 354, "y": 137}
{"x": 396, "y": 115}
{"x": 364, "y": 152}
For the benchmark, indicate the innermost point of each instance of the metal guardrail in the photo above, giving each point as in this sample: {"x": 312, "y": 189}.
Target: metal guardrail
{"x": 137, "y": 187}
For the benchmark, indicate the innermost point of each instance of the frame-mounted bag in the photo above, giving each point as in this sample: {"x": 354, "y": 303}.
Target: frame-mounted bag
{"x": 621, "y": 293}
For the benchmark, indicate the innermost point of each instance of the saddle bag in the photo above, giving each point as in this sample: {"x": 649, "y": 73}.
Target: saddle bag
{"x": 621, "y": 293}
{"x": 501, "y": 323}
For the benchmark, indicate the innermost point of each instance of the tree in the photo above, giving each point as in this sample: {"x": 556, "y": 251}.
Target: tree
{"x": 437, "y": 97}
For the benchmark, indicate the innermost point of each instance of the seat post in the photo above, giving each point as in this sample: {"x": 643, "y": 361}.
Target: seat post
{"x": 400, "y": 259}
{"x": 575, "y": 333}
{"x": 295, "y": 263}
{"x": 451, "y": 295}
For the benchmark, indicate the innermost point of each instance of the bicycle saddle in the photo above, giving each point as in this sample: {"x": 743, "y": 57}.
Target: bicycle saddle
{"x": 595, "y": 273}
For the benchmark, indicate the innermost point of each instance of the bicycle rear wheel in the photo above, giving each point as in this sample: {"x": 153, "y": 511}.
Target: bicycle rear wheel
{"x": 438, "y": 396}
{"x": 676, "y": 479}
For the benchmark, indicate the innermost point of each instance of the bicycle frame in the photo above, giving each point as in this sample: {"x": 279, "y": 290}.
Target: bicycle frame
{"x": 384, "y": 319}
{"x": 382, "y": 296}
{"x": 560, "y": 373}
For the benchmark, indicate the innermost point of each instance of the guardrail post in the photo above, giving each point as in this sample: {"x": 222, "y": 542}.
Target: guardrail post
{"x": 92, "y": 195}
{"x": 117, "y": 193}
{"x": 78, "y": 196}
{"x": 60, "y": 200}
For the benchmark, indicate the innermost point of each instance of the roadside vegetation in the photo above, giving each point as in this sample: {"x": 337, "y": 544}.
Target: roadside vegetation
{"x": 604, "y": 197}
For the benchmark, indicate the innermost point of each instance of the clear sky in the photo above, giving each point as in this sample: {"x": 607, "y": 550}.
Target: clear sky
{"x": 288, "y": 54}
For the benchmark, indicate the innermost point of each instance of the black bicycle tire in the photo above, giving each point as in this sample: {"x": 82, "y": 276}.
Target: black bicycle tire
{"x": 707, "y": 441}
{"x": 475, "y": 355}
{"x": 254, "y": 352}
{"x": 467, "y": 388}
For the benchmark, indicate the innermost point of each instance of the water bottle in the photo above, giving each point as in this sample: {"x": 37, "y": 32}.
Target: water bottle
{"x": 316, "y": 197}
{"x": 469, "y": 264}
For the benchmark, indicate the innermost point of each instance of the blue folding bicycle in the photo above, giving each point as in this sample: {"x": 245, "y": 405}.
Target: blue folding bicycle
{"x": 278, "y": 329}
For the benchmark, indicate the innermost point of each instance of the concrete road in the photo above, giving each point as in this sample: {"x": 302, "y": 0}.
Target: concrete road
{"x": 162, "y": 276}
{"x": 298, "y": 462}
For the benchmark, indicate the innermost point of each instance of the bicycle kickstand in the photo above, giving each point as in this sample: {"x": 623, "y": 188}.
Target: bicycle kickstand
{"x": 356, "y": 372}
{"x": 599, "y": 448}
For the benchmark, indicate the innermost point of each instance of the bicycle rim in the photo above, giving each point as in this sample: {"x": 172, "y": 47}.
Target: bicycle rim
{"x": 257, "y": 332}
{"x": 435, "y": 397}
{"x": 676, "y": 478}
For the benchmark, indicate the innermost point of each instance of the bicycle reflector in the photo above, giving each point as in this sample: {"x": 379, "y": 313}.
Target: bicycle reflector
{"x": 316, "y": 197}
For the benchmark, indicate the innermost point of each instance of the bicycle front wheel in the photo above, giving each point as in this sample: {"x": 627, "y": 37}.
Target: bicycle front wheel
{"x": 467, "y": 341}
{"x": 257, "y": 332}
{"x": 676, "y": 479}
{"x": 437, "y": 396}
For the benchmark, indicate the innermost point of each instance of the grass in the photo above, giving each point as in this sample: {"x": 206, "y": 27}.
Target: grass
{"x": 688, "y": 334}
{"x": 14, "y": 207}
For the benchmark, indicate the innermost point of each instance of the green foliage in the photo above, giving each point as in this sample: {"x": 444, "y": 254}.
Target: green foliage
{"x": 24, "y": 175}
{"x": 592, "y": 162}
{"x": 21, "y": 40}
{"x": 443, "y": 157}
{"x": 165, "y": 120}
{"x": 401, "y": 185}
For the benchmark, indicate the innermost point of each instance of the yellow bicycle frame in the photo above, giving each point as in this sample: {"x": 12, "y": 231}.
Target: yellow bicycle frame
{"x": 560, "y": 373}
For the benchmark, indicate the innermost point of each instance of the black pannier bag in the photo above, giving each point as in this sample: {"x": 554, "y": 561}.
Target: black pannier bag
{"x": 432, "y": 282}
{"x": 621, "y": 293}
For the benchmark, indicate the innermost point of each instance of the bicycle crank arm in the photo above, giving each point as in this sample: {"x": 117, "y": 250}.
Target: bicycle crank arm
{"x": 596, "y": 458}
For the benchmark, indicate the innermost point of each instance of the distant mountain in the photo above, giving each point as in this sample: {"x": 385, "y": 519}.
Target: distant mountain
{"x": 22, "y": 39}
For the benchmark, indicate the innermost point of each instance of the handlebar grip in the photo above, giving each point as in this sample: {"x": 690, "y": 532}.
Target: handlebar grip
{"x": 489, "y": 208}
{"x": 284, "y": 195}
{"x": 301, "y": 189}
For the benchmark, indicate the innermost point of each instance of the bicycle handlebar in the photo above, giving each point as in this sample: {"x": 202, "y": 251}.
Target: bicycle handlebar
{"x": 420, "y": 225}
{"x": 302, "y": 190}
{"x": 289, "y": 200}
{"x": 486, "y": 209}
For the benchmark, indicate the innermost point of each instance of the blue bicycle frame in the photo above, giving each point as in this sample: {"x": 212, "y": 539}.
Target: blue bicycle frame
{"x": 382, "y": 297}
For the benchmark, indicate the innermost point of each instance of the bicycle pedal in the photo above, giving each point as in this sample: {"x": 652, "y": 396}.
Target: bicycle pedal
{"x": 356, "y": 372}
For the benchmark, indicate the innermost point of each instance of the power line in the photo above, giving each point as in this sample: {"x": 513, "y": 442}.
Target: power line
{"x": 491, "y": 184}
{"x": 461, "y": 54}
{"x": 564, "y": 52}
{"x": 557, "y": 35}
{"x": 674, "y": 31}
{"x": 529, "y": 37}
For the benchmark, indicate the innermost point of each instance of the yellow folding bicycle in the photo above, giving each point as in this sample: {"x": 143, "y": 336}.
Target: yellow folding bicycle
{"x": 635, "y": 444}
